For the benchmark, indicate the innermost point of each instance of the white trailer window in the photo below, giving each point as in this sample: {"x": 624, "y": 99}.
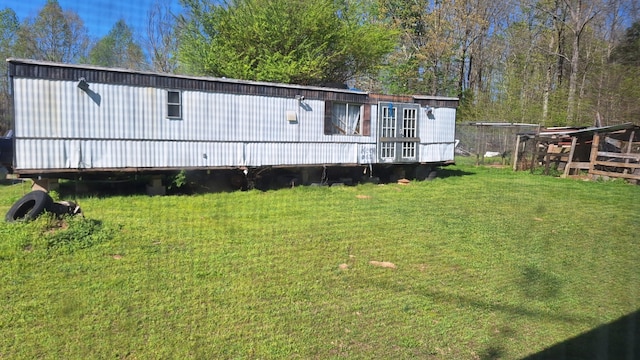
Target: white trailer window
{"x": 174, "y": 104}
{"x": 388, "y": 130}
{"x": 409, "y": 130}
{"x": 346, "y": 119}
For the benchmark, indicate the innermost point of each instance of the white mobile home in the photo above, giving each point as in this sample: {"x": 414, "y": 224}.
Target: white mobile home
{"x": 71, "y": 119}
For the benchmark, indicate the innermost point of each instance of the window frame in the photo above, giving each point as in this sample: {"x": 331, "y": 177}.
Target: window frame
{"x": 177, "y": 105}
{"x": 347, "y": 106}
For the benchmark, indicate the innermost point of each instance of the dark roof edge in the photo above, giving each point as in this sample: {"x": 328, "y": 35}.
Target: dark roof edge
{"x": 177, "y": 76}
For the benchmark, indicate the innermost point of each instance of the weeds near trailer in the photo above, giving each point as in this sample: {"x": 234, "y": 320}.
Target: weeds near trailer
{"x": 485, "y": 263}
{"x": 178, "y": 180}
{"x": 49, "y": 235}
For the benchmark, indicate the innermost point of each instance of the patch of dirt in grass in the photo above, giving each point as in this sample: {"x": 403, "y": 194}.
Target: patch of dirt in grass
{"x": 343, "y": 267}
{"x": 58, "y": 225}
{"x": 384, "y": 264}
{"x": 116, "y": 256}
{"x": 363, "y": 196}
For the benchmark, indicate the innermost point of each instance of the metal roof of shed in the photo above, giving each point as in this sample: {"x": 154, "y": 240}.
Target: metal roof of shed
{"x": 586, "y": 131}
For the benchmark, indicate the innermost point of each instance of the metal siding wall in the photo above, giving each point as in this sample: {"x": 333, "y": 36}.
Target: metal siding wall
{"x": 59, "y": 126}
{"x": 436, "y": 152}
{"x": 437, "y": 135}
{"x": 260, "y": 154}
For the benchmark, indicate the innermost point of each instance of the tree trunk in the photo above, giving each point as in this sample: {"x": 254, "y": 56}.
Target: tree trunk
{"x": 573, "y": 79}
{"x": 548, "y": 83}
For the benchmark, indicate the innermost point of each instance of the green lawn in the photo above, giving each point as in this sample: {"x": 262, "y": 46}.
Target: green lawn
{"x": 488, "y": 264}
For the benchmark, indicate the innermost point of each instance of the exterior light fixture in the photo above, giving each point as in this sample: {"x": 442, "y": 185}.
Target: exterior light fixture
{"x": 83, "y": 84}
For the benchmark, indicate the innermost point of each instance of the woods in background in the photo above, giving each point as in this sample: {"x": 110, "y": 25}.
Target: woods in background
{"x": 552, "y": 62}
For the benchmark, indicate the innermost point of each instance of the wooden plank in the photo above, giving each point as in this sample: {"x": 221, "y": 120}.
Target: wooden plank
{"x": 618, "y": 164}
{"x": 567, "y": 168}
{"x": 594, "y": 152}
{"x": 630, "y": 144}
{"x": 615, "y": 174}
{"x": 534, "y": 156}
{"x": 547, "y": 160}
{"x": 516, "y": 152}
{"x": 631, "y": 136}
{"x": 619, "y": 155}
{"x": 581, "y": 165}
{"x": 559, "y": 157}
{"x": 399, "y": 139}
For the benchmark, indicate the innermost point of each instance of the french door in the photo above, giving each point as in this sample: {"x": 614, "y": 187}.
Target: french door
{"x": 398, "y": 133}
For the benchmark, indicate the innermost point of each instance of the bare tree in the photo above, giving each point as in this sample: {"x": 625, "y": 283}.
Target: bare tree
{"x": 161, "y": 43}
{"x": 581, "y": 12}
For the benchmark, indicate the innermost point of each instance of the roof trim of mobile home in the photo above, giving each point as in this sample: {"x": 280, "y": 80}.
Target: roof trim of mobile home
{"x": 59, "y": 71}
{"x": 37, "y": 69}
{"x": 430, "y": 97}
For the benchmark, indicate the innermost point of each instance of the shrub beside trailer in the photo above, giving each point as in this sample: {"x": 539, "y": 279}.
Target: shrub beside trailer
{"x": 73, "y": 121}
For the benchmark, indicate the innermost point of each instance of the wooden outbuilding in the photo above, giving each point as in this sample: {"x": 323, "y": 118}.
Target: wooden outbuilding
{"x": 609, "y": 151}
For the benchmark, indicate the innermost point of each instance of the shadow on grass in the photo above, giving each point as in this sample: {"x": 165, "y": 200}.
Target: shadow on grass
{"x": 617, "y": 340}
{"x": 493, "y": 352}
{"x": 11, "y": 181}
{"x": 490, "y": 306}
{"x": 445, "y": 173}
{"x": 538, "y": 284}
{"x": 200, "y": 182}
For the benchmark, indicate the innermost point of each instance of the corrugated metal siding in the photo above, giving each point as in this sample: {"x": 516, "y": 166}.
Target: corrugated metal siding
{"x": 437, "y": 135}
{"x": 105, "y": 154}
{"x": 261, "y": 154}
{"x": 436, "y": 152}
{"x": 118, "y": 126}
{"x": 121, "y": 122}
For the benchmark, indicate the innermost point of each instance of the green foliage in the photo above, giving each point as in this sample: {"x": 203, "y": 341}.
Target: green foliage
{"x": 628, "y": 51}
{"x": 288, "y": 41}
{"x": 9, "y": 26}
{"x": 49, "y": 235}
{"x": 117, "y": 49}
{"x": 438, "y": 45}
{"x": 76, "y": 233}
{"x": 179, "y": 180}
{"x": 54, "y": 35}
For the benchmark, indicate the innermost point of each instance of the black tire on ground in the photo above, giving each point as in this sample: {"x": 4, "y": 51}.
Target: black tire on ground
{"x": 29, "y": 206}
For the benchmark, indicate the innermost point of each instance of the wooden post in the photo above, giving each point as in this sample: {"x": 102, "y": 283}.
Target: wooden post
{"x": 478, "y": 145}
{"x": 534, "y": 157}
{"x": 594, "y": 153}
{"x": 547, "y": 159}
{"x": 629, "y": 146}
{"x": 567, "y": 167}
{"x": 483, "y": 145}
{"x": 515, "y": 153}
